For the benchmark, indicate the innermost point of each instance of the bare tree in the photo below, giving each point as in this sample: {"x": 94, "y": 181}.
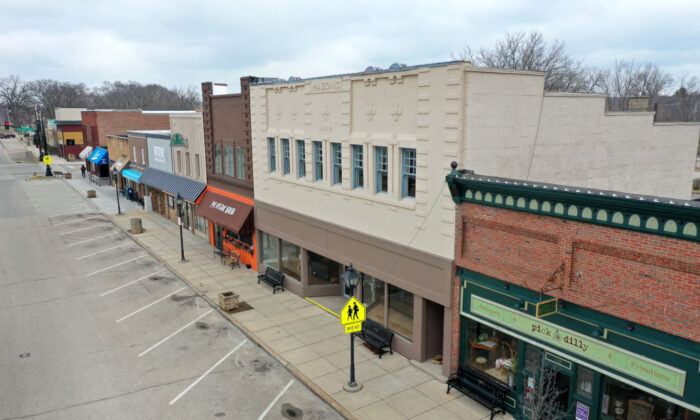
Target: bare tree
{"x": 627, "y": 79}
{"x": 542, "y": 401}
{"x": 135, "y": 95}
{"x": 521, "y": 51}
{"x": 17, "y": 98}
{"x": 52, "y": 94}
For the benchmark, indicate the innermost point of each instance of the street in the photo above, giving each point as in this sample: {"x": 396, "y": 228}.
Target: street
{"x": 92, "y": 326}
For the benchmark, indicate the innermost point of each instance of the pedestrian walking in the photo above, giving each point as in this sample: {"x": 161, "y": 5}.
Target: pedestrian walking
{"x": 82, "y": 170}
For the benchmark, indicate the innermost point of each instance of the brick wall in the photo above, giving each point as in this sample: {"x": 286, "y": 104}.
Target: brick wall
{"x": 98, "y": 124}
{"x": 647, "y": 279}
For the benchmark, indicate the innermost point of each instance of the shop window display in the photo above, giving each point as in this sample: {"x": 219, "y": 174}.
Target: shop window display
{"x": 291, "y": 260}
{"x": 373, "y": 298}
{"x": 492, "y": 352}
{"x": 322, "y": 270}
{"x": 401, "y": 312}
{"x": 269, "y": 250}
{"x": 624, "y": 402}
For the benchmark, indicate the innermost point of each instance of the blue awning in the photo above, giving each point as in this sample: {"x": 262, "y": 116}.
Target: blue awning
{"x": 99, "y": 157}
{"x": 131, "y": 174}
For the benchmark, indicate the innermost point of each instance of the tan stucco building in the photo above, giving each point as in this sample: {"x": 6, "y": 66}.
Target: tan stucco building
{"x": 351, "y": 169}
{"x": 189, "y": 156}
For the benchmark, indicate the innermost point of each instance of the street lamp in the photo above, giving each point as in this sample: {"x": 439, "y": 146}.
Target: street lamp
{"x": 116, "y": 188}
{"x": 179, "y": 222}
{"x": 351, "y": 278}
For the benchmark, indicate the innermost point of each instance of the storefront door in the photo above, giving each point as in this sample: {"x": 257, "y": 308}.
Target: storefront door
{"x": 218, "y": 237}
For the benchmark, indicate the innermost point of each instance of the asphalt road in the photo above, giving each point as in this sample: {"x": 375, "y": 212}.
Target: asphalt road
{"x": 92, "y": 326}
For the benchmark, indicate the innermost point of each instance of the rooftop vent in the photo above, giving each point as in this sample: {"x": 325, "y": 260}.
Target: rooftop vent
{"x": 372, "y": 69}
{"x": 397, "y": 66}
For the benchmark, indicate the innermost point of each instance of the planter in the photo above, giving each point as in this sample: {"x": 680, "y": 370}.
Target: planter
{"x": 228, "y": 301}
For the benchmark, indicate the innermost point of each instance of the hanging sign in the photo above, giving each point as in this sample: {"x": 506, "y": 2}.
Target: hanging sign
{"x": 548, "y": 307}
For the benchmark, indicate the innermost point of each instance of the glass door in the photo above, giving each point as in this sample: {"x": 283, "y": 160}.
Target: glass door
{"x": 218, "y": 237}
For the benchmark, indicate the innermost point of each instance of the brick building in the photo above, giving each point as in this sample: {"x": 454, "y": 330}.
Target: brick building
{"x": 597, "y": 292}
{"x": 98, "y": 123}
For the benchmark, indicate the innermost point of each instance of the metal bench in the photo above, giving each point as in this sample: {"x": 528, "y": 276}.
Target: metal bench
{"x": 377, "y": 335}
{"x": 272, "y": 277}
{"x": 480, "y": 387}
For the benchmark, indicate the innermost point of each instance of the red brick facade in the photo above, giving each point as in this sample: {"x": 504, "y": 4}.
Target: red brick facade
{"x": 98, "y": 124}
{"x": 647, "y": 279}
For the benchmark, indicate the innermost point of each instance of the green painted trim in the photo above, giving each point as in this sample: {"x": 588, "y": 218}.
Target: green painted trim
{"x": 511, "y": 402}
{"x": 562, "y": 363}
{"x": 658, "y": 218}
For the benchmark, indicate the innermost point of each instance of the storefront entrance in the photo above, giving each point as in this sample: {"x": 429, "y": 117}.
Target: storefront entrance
{"x": 218, "y": 236}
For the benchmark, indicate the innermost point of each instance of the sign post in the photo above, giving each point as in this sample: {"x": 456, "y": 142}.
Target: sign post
{"x": 352, "y": 316}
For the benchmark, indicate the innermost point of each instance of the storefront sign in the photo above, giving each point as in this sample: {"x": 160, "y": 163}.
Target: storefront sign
{"x": 222, "y": 207}
{"x": 159, "y": 154}
{"x": 582, "y": 411}
{"x": 548, "y": 307}
{"x": 661, "y": 375}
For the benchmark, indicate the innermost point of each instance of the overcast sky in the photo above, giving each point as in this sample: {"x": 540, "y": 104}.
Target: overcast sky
{"x": 183, "y": 43}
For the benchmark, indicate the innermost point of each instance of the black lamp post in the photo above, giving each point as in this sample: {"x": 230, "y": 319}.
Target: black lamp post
{"x": 116, "y": 188}
{"x": 179, "y": 222}
{"x": 351, "y": 278}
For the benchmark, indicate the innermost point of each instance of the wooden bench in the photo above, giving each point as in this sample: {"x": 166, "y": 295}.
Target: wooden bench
{"x": 377, "y": 335}
{"x": 480, "y": 387}
{"x": 232, "y": 259}
{"x": 272, "y": 277}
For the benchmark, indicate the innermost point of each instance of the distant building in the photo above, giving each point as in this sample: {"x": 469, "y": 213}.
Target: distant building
{"x": 69, "y": 132}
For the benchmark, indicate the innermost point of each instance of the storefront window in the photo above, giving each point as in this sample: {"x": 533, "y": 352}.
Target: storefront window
{"x": 622, "y": 401}
{"x": 322, "y": 271}
{"x": 201, "y": 225}
{"x": 269, "y": 251}
{"x": 373, "y": 298}
{"x": 493, "y": 352}
{"x": 401, "y": 312}
{"x": 291, "y": 260}
{"x": 584, "y": 382}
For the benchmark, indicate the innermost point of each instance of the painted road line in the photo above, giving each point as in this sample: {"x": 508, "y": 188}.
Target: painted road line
{"x": 149, "y": 305}
{"x": 93, "y": 239}
{"x": 269, "y": 407}
{"x": 171, "y": 335}
{"x": 104, "y": 250}
{"x": 79, "y": 220}
{"x": 115, "y": 265}
{"x": 323, "y": 307}
{"x": 131, "y": 282}
{"x": 80, "y": 230}
{"x": 174, "y": 400}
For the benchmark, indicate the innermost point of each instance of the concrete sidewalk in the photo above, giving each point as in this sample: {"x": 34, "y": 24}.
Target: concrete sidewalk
{"x": 305, "y": 338}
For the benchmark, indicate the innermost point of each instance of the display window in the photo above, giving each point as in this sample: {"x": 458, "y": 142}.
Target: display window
{"x": 624, "y": 402}
{"x": 322, "y": 270}
{"x": 291, "y": 260}
{"x": 493, "y": 352}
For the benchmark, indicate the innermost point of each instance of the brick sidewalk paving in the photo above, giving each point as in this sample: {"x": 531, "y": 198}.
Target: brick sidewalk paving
{"x": 305, "y": 338}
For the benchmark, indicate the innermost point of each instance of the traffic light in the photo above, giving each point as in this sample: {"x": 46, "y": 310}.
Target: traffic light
{"x": 7, "y": 125}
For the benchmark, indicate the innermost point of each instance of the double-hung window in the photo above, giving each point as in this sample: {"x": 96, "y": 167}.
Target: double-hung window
{"x": 337, "y": 164}
{"x": 301, "y": 158}
{"x": 273, "y": 155}
{"x": 217, "y": 158}
{"x": 408, "y": 173}
{"x": 228, "y": 158}
{"x": 286, "y": 156}
{"x": 318, "y": 161}
{"x": 240, "y": 163}
{"x": 358, "y": 170}
{"x": 381, "y": 163}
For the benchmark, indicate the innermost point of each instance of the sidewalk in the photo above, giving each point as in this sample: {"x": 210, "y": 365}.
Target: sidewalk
{"x": 306, "y": 339}
{"x": 106, "y": 200}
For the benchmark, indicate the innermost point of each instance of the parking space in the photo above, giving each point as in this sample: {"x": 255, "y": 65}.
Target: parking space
{"x": 147, "y": 345}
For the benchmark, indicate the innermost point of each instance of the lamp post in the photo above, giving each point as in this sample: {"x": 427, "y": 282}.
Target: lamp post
{"x": 116, "y": 188}
{"x": 179, "y": 222}
{"x": 351, "y": 278}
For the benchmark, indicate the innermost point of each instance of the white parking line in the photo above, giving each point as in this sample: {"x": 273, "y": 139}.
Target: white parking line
{"x": 131, "y": 282}
{"x": 104, "y": 250}
{"x": 79, "y": 230}
{"x": 267, "y": 410}
{"x": 174, "y": 400}
{"x": 149, "y": 305}
{"x": 115, "y": 265}
{"x": 171, "y": 335}
{"x": 93, "y": 239}
{"x": 76, "y": 221}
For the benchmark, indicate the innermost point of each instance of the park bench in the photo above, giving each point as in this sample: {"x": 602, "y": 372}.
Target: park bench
{"x": 272, "y": 277}
{"x": 480, "y": 387}
{"x": 377, "y": 335}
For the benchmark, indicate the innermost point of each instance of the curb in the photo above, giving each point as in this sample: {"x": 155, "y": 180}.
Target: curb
{"x": 291, "y": 369}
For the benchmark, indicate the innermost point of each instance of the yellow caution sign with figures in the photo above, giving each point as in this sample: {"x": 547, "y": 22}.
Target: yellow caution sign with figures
{"x": 47, "y": 160}
{"x": 352, "y": 315}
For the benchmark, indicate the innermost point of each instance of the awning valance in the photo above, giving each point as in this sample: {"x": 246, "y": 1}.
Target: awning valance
{"x": 120, "y": 164}
{"x": 85, "y": 152}
{"x": 132, "y": 175}
{"x": 189, "y": 189}
{"x": 99, "y": 157}
{"x": 223, "y": 211}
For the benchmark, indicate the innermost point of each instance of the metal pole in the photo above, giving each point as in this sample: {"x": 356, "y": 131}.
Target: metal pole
{"x": 182, "y": 248}
{"x": 352, "y": 383}
{"x": 116, "y": 188}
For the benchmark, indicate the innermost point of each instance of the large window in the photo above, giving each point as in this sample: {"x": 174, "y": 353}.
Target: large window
{"x": 381, "y": 163}
{"x": 301, "y": 158}
{"x": 187, "y": 163}
{"x": 179, "y": 161}
{"x": 494, "y": 352}
{"x": 240, "y": 163}
{"x": 623, "y": 401}
{"x": 401, "y": 312}
{"x": 273, "y": 154}
{"x": 408, "y": 173}
{"x": 373, "y": 298}
{"x": 358, "y": 170}
{"x": 322, "y": 271}
{"x": 269, "y": 250}
{"x": 228, "y": 158}
{"x": 318, "y": 161}
{"x": 291, "y": 260}
{"x": 201, "y": 225}
{"x": 337, "y": 164}
{"x": 217, "y": 158}
{"x": 196, "y": 166}
{"x": 286, "y": 157}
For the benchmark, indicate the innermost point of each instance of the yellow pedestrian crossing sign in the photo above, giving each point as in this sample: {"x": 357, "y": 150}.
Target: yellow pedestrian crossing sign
{"x": 353, "y": 311}
{"x": 47, "y": 159}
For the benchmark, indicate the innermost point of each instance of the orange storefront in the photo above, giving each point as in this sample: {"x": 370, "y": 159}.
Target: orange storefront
{"x": 231, "y": 224}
